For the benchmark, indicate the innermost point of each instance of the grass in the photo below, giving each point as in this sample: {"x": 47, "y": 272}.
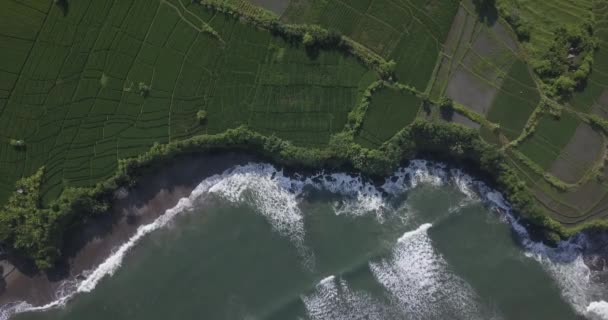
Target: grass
{"x": 550, "y": 137}
{"x": 517, "y": 99}
{"x": 390, "y": 110}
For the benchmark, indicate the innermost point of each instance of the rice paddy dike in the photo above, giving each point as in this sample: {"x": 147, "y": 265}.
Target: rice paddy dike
{"x": 93, "y": 94}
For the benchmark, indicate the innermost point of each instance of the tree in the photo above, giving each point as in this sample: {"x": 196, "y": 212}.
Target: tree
{"x": 387, "y": 69}
{"x": 17, "y": 144}
{"x": 565, "y": 85}
{"x": 446, "y": 107}
{"x": 201, "y": 116}
{"x": 486, "y": 10}
{"x": 144, "y": 90}
{"x": 63, "y": 5}
{"x": 308, "y": 40}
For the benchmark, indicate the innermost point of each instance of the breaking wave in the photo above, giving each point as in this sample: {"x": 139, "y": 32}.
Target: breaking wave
{"x": 332, "y": 299}
{"x": 414, "y": 275}
{"x": 419, "y": 280}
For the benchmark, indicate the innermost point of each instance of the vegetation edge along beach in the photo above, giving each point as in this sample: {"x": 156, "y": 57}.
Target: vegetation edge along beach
{"x": 43, "y": 229}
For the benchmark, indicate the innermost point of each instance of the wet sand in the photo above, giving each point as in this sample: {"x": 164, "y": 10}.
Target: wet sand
{"x": 90, "y": 246}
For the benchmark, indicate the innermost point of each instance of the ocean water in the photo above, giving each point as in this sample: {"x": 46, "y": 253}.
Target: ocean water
{"x": 253, "y": 243}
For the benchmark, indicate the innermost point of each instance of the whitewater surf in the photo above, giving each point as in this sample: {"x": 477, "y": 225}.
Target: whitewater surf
{"x": 406, "y": 277}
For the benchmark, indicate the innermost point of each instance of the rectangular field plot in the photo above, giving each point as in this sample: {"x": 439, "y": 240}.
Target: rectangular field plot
{"x": 579, "y": 155}
{"x": 517, "y": 99}
{"x": 390, "y": 110}
{"x": 549, "y": 138}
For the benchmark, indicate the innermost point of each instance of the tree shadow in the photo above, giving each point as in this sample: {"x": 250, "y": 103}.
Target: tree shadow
{"x": 486, "y": 11}
{"x": 447, "y": 114}
{"x": 63, "y": 5}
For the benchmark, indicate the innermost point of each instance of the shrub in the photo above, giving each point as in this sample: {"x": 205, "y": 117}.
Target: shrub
{"x": 308, "y": 39}
{"x": 17, "y": 144}
{"x": 201, "y": 116}
{"x": 144, "y": 90}
{"x": 446, "y": 107}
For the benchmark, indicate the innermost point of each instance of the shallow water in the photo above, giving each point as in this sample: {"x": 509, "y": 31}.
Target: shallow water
{"x": 253, "y": 243}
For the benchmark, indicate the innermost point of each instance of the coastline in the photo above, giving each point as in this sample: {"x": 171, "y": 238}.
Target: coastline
{"x": 159, "y": 192}
{"x": 90, "y": 245}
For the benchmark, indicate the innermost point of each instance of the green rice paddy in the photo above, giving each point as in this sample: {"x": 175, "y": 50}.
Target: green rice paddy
{"x": 402, "y": 106}
{"x": 110, "y": 79}
{"x": 515, "y": 102}
{"x": 549, "y": 138}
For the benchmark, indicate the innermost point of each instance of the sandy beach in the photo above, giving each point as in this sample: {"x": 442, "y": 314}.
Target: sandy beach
{"x": 90, "y": 246}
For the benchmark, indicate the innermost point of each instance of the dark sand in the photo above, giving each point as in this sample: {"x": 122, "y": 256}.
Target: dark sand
{"x": 90, "y": 246}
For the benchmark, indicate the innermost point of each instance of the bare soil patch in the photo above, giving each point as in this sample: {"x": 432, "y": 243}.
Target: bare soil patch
{"x": 489, "y": 57}
{"x": 505, "y": 36}
{"x": 467, "y": 89}
{"x": 557, "y": 210}
{"x": 583, "y": 150}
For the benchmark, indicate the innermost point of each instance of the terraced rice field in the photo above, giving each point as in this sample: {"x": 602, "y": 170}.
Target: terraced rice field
{"x": 110, "y": 79}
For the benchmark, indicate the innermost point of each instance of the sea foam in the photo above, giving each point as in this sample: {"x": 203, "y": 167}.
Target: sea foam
{"x": 413, "y": 266}
{"x": 333, "y": 299}
{"x": 420, "y": 282}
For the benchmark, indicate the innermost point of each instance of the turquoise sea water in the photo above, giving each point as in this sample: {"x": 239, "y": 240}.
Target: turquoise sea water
{"x": 252, "y": 243}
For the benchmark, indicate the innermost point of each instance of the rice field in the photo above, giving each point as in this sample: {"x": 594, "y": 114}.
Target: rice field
{"x": 111, "y": 78}
{"x": 390, "y": 110}
{"x": 409, "y": 32}
{"x": 549, "y": 138}
{"x": 544, "y": 16}
{"x": 515, "y": 102}
{"x": 86, "y": 85}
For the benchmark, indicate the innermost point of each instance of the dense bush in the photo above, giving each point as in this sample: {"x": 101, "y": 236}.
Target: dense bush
{"x": 567, "y": 63}
{"x": 516, "y": 21}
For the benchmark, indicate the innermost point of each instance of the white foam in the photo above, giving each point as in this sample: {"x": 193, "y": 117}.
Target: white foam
{"x": 598, "y": 310}
{"x": 414, "y": 274}
{"x": 275, "y": 196}
{"x": 420, "y": 282}
{"x": 334, "y": 300}
{"x": 267, "y": 191}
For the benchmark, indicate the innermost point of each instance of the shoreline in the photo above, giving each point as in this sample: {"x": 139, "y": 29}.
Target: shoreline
{"x": 155, "y": 193}
{"x": 100, "y": 236}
